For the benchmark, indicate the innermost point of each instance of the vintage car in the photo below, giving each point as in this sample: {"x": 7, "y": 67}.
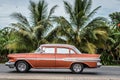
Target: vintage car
{"x": 54, "y": 56}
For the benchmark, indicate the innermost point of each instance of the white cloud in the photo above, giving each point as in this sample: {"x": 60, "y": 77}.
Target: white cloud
{"x": 7, "y": 7}
{"x": 108, "y": 7}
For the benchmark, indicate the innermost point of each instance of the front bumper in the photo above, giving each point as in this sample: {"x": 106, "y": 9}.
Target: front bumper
{"x": 10, "y": 64}
{"x": 99, "y": 64}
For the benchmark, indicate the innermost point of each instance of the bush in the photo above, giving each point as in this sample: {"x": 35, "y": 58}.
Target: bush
{"x": 3, "y": 59}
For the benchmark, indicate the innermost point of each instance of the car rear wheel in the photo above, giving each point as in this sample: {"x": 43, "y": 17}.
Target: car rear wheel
{"x": 77, "y": 68}
{"x": 22, "y": 66}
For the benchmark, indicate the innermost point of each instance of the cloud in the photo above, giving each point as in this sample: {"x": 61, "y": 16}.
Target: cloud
{"x": 7, "y": 7}
{"x": 5, "y": 22}
{"x": 108, "y": 7}
{"x": 0, "y": 5}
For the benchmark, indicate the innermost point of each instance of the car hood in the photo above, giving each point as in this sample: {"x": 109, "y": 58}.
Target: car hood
{"x": 19, "y": 54}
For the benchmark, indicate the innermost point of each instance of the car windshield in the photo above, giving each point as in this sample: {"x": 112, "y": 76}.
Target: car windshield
{"x": 76, "y": 50}
{"x": 38, "y": 50}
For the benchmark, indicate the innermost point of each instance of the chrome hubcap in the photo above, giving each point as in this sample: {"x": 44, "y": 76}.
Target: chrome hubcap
{"x": 21, "y": 66}
{"x": 77, "y": 68}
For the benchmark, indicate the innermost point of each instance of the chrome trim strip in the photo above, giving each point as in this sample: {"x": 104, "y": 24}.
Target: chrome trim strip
{"x": 65, "y": 59}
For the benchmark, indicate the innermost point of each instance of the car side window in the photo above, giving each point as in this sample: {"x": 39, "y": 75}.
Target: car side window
{"x": 62, "y": 51}
{"x": 48, "y": 50}
{"x": 72, "y": 52}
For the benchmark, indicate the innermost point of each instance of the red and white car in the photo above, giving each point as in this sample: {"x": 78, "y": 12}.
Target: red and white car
{"x": 54, "y": 56}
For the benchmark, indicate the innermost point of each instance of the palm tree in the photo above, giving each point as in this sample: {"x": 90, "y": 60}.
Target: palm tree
{"x": 115, "y": 30}
{"x": 115, "y": 17}
{"x": 111, "y": 54}
{"x": 81, "y": 29}
{"x": 31, "y": 33}
{"x": 114, "y": 37}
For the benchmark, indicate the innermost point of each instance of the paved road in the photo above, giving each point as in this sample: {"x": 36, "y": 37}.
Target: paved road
{"x": 103, "y": 73}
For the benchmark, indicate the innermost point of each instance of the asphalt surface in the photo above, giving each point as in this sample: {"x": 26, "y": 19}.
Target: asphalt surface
{"x": 102, "y": 73}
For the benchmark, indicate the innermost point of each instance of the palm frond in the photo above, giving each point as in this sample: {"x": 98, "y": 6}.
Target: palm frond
{"x": 90, "y": 48}
{"x": 115, "y": 17}
{"x": 53, "y": 34}
{"x": 69, "y": 10}
{"x": 100, "y": 32}
{"x": 42, "y": 10}
{"x": 93, "y": 12}
{"x": 52, "y": 10}
{"x": 117, "y": 34}
{"x": 32, "y": 8}
{"x": 59, "y": 40}
{"x": 22, "y": 19}
{"x": 96, "y": 22}
{"x": 88, "y": 5}
{"x": 38, "y": 32}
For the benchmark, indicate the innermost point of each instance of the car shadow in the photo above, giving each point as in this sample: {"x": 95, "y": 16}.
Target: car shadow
{"x": 55, "y": 72}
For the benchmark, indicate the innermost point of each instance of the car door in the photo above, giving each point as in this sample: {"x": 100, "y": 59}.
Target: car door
{"x": 46, "y": 59}
{"x": 62, "y": 54}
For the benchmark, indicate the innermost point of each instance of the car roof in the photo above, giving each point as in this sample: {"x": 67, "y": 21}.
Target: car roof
{"x": 58, "y": 45}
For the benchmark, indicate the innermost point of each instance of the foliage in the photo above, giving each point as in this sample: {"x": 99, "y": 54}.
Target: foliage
{"x": 29, "y": 34}
{"x": 88, "y": 33}
{"x": 3, "y": 41}
{"x": 111, "y": 54}
{"x": 81, "y": 29}
{"x": 115, "y": 17}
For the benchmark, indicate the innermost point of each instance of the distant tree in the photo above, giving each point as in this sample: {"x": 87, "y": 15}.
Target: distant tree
{"x": 2, "y": 40}
{"x": 115, "y": 17}
{"x": 111, "y": 54}
{"x": 114, "y": 42}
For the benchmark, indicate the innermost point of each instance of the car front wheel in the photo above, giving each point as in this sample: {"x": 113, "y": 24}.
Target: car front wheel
{"x": 77, "y": 68}
{"x": 22, "y": 66}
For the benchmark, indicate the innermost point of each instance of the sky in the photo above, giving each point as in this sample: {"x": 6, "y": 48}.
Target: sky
{"x": 7, "y": 7}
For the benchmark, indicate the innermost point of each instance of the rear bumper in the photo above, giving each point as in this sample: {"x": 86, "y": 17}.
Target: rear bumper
{"x": 10, "y": 64}
{"x": 99, "y": 64}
